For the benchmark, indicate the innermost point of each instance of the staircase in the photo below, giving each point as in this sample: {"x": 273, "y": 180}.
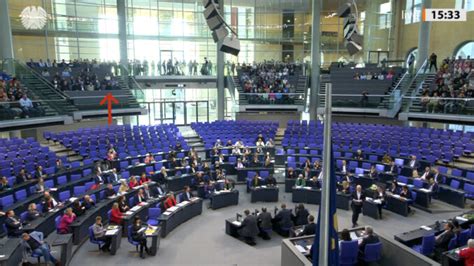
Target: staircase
{"x": 133, "y": 91}
{"x": 301, "y": 89}
{"x": 420, "y": 82}
{"x": 416, "y": 103}
{"x": 55, "y": 102}
{"x": 325, "y": 79}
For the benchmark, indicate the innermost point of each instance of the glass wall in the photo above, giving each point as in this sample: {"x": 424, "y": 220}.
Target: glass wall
{"x": 158, "y": 30}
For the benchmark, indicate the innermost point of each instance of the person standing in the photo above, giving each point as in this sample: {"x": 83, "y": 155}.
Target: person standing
{"x": 264, "y": 223}
{"x": 358, "y": 198}
{"x": 433, "y": 61}
{"x": 249, "y": 228}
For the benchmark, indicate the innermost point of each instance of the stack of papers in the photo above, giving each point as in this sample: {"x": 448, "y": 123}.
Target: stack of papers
{"x": 134, "y": 209}
{"x": 194, "y": 199}
{"x": 461, "y": 219}
{"x": 182, "y": 204}
{"x": 172, "y": 209}
{"x": 237, "y": 223}
{"x": 111, "y": 232}
{"x": 263, "y": 186}
{"x": 53, "y": 189}
{"x": 112, "y": 227}
{"x": 72, "y": 199}
{"x": 353, "y": 235}
{"x": 424, "y": 190}
{"x": 396, "y": 196}
{"x": 424, "y": 227}
{"x": 150, "y": 231}
{"x": 143, "y": 203}
{"x": 300, "y": 248}
{"x": 308, "y": 188}
{"x": 167, "y": 213}
{"x": 129, "y": 213}
{"x": 378, "y": 201}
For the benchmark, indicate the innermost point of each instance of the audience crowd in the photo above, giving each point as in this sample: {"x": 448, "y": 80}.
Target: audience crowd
{"x": 78, "y": 74}
{"x": 14, "y": 101}
{"x": 450, "y": 87}
{"x": 375, "y": 76}
{"x": 269, "y": 81}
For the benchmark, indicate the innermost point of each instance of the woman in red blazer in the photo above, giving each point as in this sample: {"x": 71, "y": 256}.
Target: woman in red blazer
{"x": 468, "y": 253}
{"x": 116, "y": 215}
{"x": 133, "y": 182}
{"x": 144, "y": 179}
{"x": 66, "y": 220}
{"x": 170, "y": 201}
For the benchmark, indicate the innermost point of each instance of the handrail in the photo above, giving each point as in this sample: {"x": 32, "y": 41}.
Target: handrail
{"x": 42, "y": 79}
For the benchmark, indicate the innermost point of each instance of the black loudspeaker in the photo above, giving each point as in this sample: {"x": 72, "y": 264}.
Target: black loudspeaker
{"x": 357, "y": 38}
{"x": 219, "y": 34}
{"x": 210, "y": 11}
{"x": 231, "y": 46}
{"x": 344, "y": 10}
{"x": 214, "y": 22}
{"x": 353, "y": 47}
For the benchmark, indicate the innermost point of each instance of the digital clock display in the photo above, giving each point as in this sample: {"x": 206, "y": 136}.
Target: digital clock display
{"x": 432, "y": 14}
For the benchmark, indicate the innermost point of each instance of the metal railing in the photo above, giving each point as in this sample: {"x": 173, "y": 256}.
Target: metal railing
{"x": 273, "y": 98}
{"x": 132, "y": 84}
{"x": 441, "y": 105}
{"x": 420, "y": 73}
{"x": 371, "y": 101}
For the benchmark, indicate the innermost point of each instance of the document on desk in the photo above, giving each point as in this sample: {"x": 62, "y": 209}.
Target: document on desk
{"x": 150, "y": 231}
{"x": 378, "y": 201}
{"x": 424, "y": 227}
{"x": 53, "y": 189}
{"x": 111, "y": 232}
{"x": 72, "y": 199}
{"x": 167, "y": 213}
{"x": 237, "y": 223}
{"x": 129, "y": 213}
{"x": 308, "y": 188}
{"x": 112, "y": 227}
{"x": 263, "y": 186}
{"x": 461, "y": 219}
{"x": 300, "y": 249}
{"x": 172, "y": 209}
{"x": 194, "y": 199}
{"x": 396, "y": 196}
{"x": 424, "y": 190}
{"x": 353, "y": 235}
{"x": 182, "y": 204}
{"x": 134, "y": 209}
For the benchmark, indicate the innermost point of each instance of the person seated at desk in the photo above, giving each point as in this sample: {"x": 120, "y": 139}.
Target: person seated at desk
{"x": 268, "y": 161}
{"x": 116, "y": 215}
{"x": 240, "y": 164}
{"x": 393, "y": 169}
{"x": 359, "y": 155}
{"x": 394, "y": 187}
{"x": 300, "y": 181}
{"x": 442, "y": 240}
{"x": 405, "y": 193}
{"x": 143, "y": 179}
{"x": 270, "y": 143}
{"x": 239, "y": 144}
{"x": 33, "y": 213}
{"x": 345, "y": 187}
{"x": 77, "y": 208}
{"x": 271, "y": 181}
{"x": 170, "y": 201}
{"x": 66, "y": 220}
{"x": 467, "y": 254}
{"x": 413, "y": 163}
{"x": 290, "y": 174}
{"x": 264, "y": 223}
{"x": 48, "y": 202}
{"x": 415, "y": 174}
{"x": 386, "y": 159}
{"x": 132, "y": 182}
{"x": 88, "y": 202}
{"x": 228, "y": 184}
{"x": 121, "y": 200}
{"x": 236, "y": 151}
{"x": 301, "y": 215}
{"x": 358, "y": 198}
{"x": 174, "y": 163}
{"x": 162, "y": 175}
{"x": 4, "y": 184}
{"x": 256, "y": 181}
{"x": 22, "y": 177}
{"x": 433, "y": 188}
{"x": 99, "y": 234}
{"x": 138, "y": 235}
{"x": 218, "y": 144}
{"x": 249, "y": 228}
{"x": 344, "y": 168}
{"x": 317, "y": 165}
{"x": 215, "y": 151}
{"x": 40, "y": 186}
{"x": 13, "y": 224}
{"x": 33, "y": 243}
{"x": 220, "y": 159}
{"x": 369, "y": 238}
{"x": 187, "y": 195}
{"x": 123, "y": 187}
{"x": 255, "y": 162}
{"x": 113, "y": 176}
{"x": 59, "y": 165}
{"x": 260, "y": 143}
{"x": 98, "y": 179}
{"x": 426, "y": 174}
{"x": 178, "y": 147}
{"x": 282, "y": 221}
{"x": 260, "y": 137}
{"x": 346, "y": 235}
{"x": 109, "y": 191}
{"x": 39, "y": 172}
{"x": 148, "y": 159}
{"x": 307, "y": 173}
{"x": 140, "y": 197}
{"x": 314, "y": 182}
{"x": 229, "y": 143}
{"x": 309, "y": 228}
{"x": 380, "y": 195}
{"x": 306, "y": 164}
{"x": 373, "y": 172}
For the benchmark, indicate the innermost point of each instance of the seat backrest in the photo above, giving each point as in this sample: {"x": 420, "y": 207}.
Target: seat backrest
{"x": 154, "y": 213}
{"x": 56, "y": 221}
{"x": 91, "y": 234}
{"x": 428, "y": 244}
{"x": 455, "y": 184}
{"x": 349, "y": 252}
{"x": 63, "y": 196}
{"x": 463, "y": 237}
{"x": 453, "y": 242}
{"x": 373, "y": 252}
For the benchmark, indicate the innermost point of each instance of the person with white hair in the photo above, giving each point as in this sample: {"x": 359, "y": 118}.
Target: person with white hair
{"x": 467, "y": 254}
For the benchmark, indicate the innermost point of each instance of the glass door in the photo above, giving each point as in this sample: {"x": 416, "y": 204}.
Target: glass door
{"x": 168, "y": 114}
{"x": 203, "y": 111}
{"x": 180, "y": 113}
{"x": 191, "y": 112}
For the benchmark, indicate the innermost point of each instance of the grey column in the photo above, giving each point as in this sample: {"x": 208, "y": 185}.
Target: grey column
{"x": 220, "y": 75}
{"x": 6, "y": 39}
{"x": 423, "y": 38}
{"x": 315, "y": 59}
{"x": 122, "y": 28}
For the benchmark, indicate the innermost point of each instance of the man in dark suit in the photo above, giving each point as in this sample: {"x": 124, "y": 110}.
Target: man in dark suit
{"x": 98, "y": 179}
{"x": 271, "y": 181}
{"x": 13, "y": 224}
{"x": 255, "y": 181}
{"x": 369, "y": 238}
{"x": 282, "y": 221}
{"x": 22, "y": 176}
{"x": 113, "y": 176}
{"x": 393, "y": 168}
{"x": 264, "y": 223}
{"x": 140, "y": 197}
{"x": 249, "y": 228}
{"x": 310, "y": 228}
{"x": 442, "y": 240}
{"x": 39, "y": 172}
{"x": 187, "y": 195}
{"x": 413, "y": 163}
{"x": 109, "y": 191}
{"x": 358, "y": 198}
{"x": 301, "y": 215}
